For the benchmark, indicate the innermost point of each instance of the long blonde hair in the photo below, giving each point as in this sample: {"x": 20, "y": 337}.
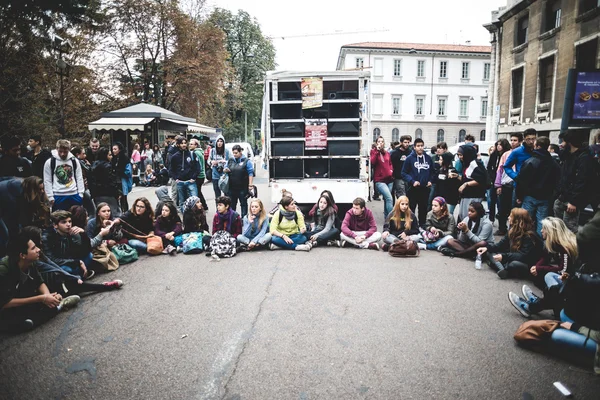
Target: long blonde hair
{"x": 397, "y": 214}
{"x": 558, "y": 235}
{"x": 262, "y": 215}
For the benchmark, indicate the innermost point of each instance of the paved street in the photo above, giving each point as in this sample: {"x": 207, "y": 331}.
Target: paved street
{"x": 332, "y": 323}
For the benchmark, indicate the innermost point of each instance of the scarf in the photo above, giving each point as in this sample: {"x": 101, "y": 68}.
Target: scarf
{"x": 289, "y": 215}
{"x": 226, "y": 219}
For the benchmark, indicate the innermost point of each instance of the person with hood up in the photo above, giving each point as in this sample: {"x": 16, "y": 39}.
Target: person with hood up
{"x": 418, "y": 173}
{"x": 63, "y": 179}
{"x": 474, "y": 179}
{"x": 184, "y": 170}
{"x": 217, "y": 159}
{"x": 37, "y": 155}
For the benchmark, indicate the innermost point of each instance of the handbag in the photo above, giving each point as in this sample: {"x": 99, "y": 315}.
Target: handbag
{"x": 532, "y": 332}
{"x": 125, "y": 253}
{"x": 192, "y": 243}
{"x": 154, "y": 245}
{"x": 105, "y": 258}
{"x": 224, "y": 183}
{"x": 404, "y": 248}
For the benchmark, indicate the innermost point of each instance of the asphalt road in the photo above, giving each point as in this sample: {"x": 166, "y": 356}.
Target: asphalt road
{"x": 332, "y": 323}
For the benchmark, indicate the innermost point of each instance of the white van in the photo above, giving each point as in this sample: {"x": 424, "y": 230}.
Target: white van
{"x": 483, "y": 150}
{"x": 246, "y": 149}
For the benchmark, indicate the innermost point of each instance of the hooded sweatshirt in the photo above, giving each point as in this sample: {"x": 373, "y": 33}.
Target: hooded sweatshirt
{"x": 65, "y": 180}
{"x": 382, "y": 166}
{"x": 359, "y": 223}
{"x": 184, "y": 165}
{"x": 418, "y": 169}
{"x": 213, "y": 156}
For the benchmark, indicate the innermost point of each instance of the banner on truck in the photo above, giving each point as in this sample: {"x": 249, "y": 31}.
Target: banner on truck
{"x": 312, "y": 92}
{"x": 315, "y": 131}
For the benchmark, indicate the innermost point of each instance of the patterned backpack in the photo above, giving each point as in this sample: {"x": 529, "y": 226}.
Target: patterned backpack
{"x": 223, "y": 244}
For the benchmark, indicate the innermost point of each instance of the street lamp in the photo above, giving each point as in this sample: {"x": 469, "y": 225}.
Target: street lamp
{"x": 62, "y": 69}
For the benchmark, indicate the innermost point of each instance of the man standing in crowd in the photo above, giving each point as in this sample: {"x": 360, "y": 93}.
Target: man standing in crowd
{"x": 37, "y": 155}
{"x": 81, "y": 156}
{"x": 183, "y": 169}
{"x": 359, "y": 227}
{"x": 11, "y": 162}
{"x": 518, "y": 156}
{"x": 91, "y": 153}
{"x": 537, "y": 181}
{"x": 63, "y": 179}
{"x": 199, "y": 153}
{"x": 576, "y": 184}
{"x": 417, "y": 172}
{"x": 504, "y": 185}
{"x": 241, "y": 174}
{"x": 397, "y": 156}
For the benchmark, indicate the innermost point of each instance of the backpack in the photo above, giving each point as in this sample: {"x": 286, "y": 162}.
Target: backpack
{"x": 74, "y": 161}
{"x": 223, "y": 244}
{"x": 192, "y": 243}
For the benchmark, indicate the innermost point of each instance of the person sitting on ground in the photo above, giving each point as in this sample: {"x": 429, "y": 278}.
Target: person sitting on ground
{"x": 314, "y": 208}
{"x": 359, "y": 227}
{"x": 68, "y": 246}
{"x": 226, "y": 219}
{"x": 440, "y": 223}
{"x": 255, "y": 231}
{"x": 103, "y": 219}
{"x": 401, "y": 223}
{"x": 474, "y": 231}
{"x": 149, "y": 176}
{"x": 322, "y": 229}
{"x": 516, "y": 251}
{"x": 137, "y": 223}
{"x": 194, "y": 219}
{"x": 168, "y": 226}
{"x": 25, "y": 300}
{"x": 284, "y": 193}
{"x": 288, "y": 227}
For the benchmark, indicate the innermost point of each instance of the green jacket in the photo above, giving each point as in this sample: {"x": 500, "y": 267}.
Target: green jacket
{"x": 202, "y": 163}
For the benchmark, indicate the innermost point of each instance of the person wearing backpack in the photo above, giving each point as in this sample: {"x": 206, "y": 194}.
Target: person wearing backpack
{"x": 288, "y": 227}
{"x": 63, "y": 178}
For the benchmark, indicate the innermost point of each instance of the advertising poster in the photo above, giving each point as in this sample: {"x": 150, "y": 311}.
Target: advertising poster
{"x": 586, "y": 104}
{"x": 312, "y": 92}
{"x": 315, "y": 131}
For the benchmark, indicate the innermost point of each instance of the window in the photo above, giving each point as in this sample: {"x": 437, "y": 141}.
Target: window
{"x": 586, "y": 55}
{"x": 486, "y": 71}
{"x": 517, "y": 87}
{"x": 376, "y": 134}
{"x": 360, "y": 63}
{"x": 464, "y": 107}
{"x": 465, "y": 70}
{"x": 443, "y": 69}
{"x": 546, "y": 79}
{"x": 396, "y": 105}
{"x": 419, "y": 133}
{"x": 553, "y": 13}
{"x": 484, "y": 107}
{"x": 521, "y": 31}
{"x": 461, "y": 135}
{"x": 587, "y": 5}
{"x": 419, "y": 101}
{"x": 397, "y": 67}
{"x": 441, "y": 106}
{"x": 378, "y": 104}
{"x": 420, "y": 68}
{"x": 440, "y": 135}
{"x": 482, "y": 135}
{"x": 378, "y": 67}
{"x": 395, "y": 135}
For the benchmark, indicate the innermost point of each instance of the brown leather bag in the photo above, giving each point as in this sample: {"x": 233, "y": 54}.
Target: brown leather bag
{"x": 105, "y": 258}
{"x": 154, "y": 245}
{"x": 532, "y": 332}
{"x": 404, "y": 248}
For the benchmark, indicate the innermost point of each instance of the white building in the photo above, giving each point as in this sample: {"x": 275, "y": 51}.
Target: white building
{"x": 436, "y": 92}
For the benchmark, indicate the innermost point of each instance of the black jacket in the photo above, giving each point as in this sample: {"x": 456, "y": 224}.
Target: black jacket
{"x": 184, "y": 165}
{"x": 397, "y": 157}
{"x": 15, "y": 166}
{"x": 37, "y": 162}
{"x": 529, "y": 251}
{"x": 65, "y": 250}
{"x": 493, "y": 163}
{"x": 577, "y": 178}
{"x": 537, "y": 177}
{"x": 102, "y": 180}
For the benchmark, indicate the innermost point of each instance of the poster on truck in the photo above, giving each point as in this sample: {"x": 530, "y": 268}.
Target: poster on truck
{"x": 312, "y": 92}
{"x": 587, "y": 96}
{"x": 315, "y": 131}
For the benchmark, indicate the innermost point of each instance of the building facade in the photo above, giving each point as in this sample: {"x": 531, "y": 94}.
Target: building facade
{"x": 534, "y": 44}
{"x": 435, "y": 92}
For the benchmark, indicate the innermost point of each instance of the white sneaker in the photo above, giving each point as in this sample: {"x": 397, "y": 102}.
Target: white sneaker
{"x": 422, "y": 246}
{"x": 303, "y": 247}
{"x": 273, "y": 246}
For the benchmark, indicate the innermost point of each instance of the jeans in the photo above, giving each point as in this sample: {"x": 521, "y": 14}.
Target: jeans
{"x": 185, "y": 189}
{"x": 297, "y": 238}
{"x": 331, "y": 234}
{"x": 239, "y": 195}
{"x": 492, "y": 200}
{"x": 87, "y": 261}
{"x": 371, "y": 239}
{"x": 199, "y": 183}
{"x": 391, "y": 239}
{"x": 432, "y": 191}
{"x": 385, "y": 189}
{"x": 399, "y": 188}
{"x": 216, "y": 188}
{"x": 538, "y": 211}
{"x": 438, "y": 243}
{"x": 241, "y": 239}
{"x": 88, "y": 203}
{"x": 419, "y": 197}
{"x": 140, "y": 246}
{"x": 570, "y": 219}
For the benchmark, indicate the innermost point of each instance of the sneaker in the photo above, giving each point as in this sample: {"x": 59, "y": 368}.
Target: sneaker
{"x": 273, "y": 246}
{"x": 179, "y": 249}
{"x": 166, "y": 250}
{"x": 214, "y": 257}
{"x": 25, "y": 326}
{"x": 447, "y": 252}
{"x": 303, "y": 247}
{"x": 342, "y": 243}
{"x": 313, "y": 244}
{"x": 171, "y": 250}
{"x": 385, "y": 247}
{"x": 116, "y": 284}
{"x": 242, "y": 248}
{"x": 503, "y": 273}
{"x": 373, "y": 246}
{"x": 89, "y": 274}
{"x": 377, "y": 198}
{"x": 529, "y": 295}
{"x": 422, "y": 246}
{"x": 520, "y": 304}
{"x": 69, "y": 302}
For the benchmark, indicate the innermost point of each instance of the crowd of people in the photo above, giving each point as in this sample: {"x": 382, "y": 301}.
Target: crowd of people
{"x": 65, "y": 216}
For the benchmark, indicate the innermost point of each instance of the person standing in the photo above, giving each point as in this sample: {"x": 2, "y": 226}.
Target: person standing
{"x": 199, "y": 153}
{"x": 157, "y": 158}
{"x": 123, "y": 171}
{"x": 218, "y": 158}
{"x": 398, "y": 157}
{"x": 383, "y": 174}
{"x": 37, "y": 155}
{"x": 517, "y": 157}
{"x": 474, "y": 178}
{"x": 184, "y": 170}
{"x": 417, "y": 172}
{"x": 11, "y": 162}
{"x": 147, "y": 156}
{"x": 241, "y": 174}
{"x": 92, "y": 151}
{"x": 88, "y": 202}
{"x": 136, "y": 157}
{"x": 504, "y": 185}
{"x": 500, "y": 147}
{"x": 63, "y": 178}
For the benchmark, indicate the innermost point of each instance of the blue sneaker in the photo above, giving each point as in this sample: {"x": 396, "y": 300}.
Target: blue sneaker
{"x": 521, "y": 305}
{"x": 529, "y": 295}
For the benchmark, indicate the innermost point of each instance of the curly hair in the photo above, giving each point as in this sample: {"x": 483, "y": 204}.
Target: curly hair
{"x": 521, "y": 226}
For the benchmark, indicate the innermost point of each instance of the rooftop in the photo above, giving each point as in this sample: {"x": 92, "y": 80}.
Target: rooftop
{"x": 460, "y": 48}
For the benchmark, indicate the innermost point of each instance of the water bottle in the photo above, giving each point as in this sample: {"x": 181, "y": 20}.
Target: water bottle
{"x": 478, "y": 262}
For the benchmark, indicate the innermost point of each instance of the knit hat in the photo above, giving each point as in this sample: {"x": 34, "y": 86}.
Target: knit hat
{"x": 441, "y": 201}
{"x": 190, "y": 203}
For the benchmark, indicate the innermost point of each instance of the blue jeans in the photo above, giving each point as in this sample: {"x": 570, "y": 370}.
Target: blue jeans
{"x": 262, "y": 241}
{"x": 492, "y": 201}
{"x": 332, "y": 234}
{"x": 537, "y": 209}
{"x": 297, "y": 239}
{"x": 239, "y": 195}
{"x": 385, "y": 189}
{"x": 87, "y": 261}
{"x": 216, "y": 188}
{"x": 186, "y": 190}
{"x": 440, "y": 242}
{"x": 140, "y": 246}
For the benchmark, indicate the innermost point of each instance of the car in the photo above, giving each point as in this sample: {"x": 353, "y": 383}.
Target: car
{"x": 483, "y": 150}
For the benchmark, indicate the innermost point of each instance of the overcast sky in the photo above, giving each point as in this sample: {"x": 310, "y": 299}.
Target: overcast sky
{"x": 420, "y": 21}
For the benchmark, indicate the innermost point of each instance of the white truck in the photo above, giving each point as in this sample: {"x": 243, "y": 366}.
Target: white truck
{"x": 316, "y": 137}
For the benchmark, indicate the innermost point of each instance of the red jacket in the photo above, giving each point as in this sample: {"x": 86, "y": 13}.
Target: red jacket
{"x": 382, "y": 166}
{"x": 364, "y": 222}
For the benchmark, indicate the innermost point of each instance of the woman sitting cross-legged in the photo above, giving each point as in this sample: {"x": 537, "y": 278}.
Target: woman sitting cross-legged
{"x": 255, "y": 230}
{"x": 401, "y": 223}
{"x": 102, "y": 220}
{"x": 168, "y": 226}
{"x": 137, "y": 223}
{"x": 194, "y": 219}
{"x": 519, "y": 249}
{"x": 440, "y": 223}
{"x": 287, "y": 227}
{"x": 322, "y": 228}
{"x": 474, "y": 231}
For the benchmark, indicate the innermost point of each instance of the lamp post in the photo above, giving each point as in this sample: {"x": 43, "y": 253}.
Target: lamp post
{"x": 62, "y": 69}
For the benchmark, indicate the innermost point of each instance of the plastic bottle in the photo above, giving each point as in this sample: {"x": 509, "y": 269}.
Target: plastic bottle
{"x": 478, "y": 262}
